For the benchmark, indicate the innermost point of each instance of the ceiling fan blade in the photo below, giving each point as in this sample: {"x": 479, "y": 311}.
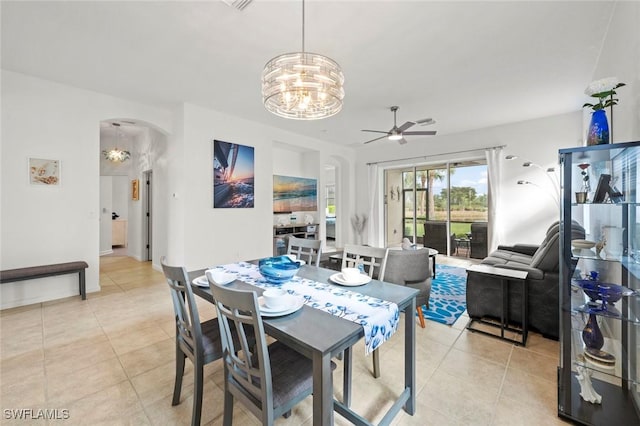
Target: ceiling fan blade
{"x": 405, "y": 126}
{"x": 373, "y": 140}
{"x": 402, "y": 141}
{"x": 426, "y": 121}
{"x": 375, "y": 131}
{"x": 422, "y": 132}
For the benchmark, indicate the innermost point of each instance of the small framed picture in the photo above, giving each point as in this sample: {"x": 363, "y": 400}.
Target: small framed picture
{"x": 602, "y": 189}
{"x": 135, "y": 189}
{"x": 44, "y": 172}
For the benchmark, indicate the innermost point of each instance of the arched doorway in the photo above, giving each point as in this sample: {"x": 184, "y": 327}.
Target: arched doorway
{"x": 127, "y": 203}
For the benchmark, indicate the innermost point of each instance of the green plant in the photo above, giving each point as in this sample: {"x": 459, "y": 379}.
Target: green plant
{"x": 603, "y": 90}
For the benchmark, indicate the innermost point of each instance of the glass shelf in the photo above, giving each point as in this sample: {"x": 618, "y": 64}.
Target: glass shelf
{"x": 611, "y": 346}
{"x": 580, "y": 303}
{"x": 613, "y": 174}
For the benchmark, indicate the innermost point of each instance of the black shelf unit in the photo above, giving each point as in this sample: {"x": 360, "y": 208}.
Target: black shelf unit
{"x": 282, "y": 232}
{"x": 617, "y": 263}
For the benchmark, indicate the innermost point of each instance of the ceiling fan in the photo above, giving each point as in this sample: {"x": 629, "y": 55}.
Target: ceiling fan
{"x": 398, "y": 133}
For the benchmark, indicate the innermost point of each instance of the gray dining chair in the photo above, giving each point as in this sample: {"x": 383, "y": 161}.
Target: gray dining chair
{"x": 306, "y": 249}
{"x": 200, "y": 342}
{"x": 268, "y": 380}
{"x": 411, "y": 268}
{"x": 374, "y": 261}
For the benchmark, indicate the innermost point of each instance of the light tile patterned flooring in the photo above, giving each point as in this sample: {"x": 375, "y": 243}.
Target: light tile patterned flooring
{"x": 110, "y": 360}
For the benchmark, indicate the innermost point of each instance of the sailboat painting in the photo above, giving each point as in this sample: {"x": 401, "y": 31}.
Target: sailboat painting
{"x": 233, "y": 174}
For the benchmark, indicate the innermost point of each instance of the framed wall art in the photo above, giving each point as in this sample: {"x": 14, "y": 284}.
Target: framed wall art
{"x": 44, "y": 172}
{"x": 135, "y": 189}
{"x": 233, "y": 173}
{"x": 293, "y": 194}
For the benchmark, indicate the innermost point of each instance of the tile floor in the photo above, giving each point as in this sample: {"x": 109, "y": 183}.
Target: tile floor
{"x": 109, "y": 360}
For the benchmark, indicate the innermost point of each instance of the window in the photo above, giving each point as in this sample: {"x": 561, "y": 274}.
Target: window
{"x": 448, "y": 197}
{"x": 330, "y": 196}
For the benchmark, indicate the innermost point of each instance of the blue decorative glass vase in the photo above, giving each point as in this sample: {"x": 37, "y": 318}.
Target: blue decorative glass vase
{"x": 591, "y": 334}
{"x": 598, "y": 129}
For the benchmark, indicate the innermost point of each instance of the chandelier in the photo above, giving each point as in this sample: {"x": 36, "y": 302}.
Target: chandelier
{"x": 116, "y": 155}
{"x": 302, "y": 85}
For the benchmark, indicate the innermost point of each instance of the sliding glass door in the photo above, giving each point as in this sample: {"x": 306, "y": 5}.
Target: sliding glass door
{"x": 435, "y": 205}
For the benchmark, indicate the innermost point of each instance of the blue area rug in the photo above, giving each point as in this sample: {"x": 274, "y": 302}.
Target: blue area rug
{"x": 448, "y": 295}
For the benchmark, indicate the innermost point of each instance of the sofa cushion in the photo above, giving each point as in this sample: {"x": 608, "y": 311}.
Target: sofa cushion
{"x": 498, "y": 257}
{"x": 547, "y": 257}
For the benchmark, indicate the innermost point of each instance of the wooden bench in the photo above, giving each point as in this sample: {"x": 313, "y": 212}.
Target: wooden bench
{"x": 33, "y": 272}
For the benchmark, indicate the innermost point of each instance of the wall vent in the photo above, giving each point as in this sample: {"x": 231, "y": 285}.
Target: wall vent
{"x": 238, "y": 4}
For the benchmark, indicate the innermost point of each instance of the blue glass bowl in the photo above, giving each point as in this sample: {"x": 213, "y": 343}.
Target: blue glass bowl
{"x": 278, "y": 269}
{"x": 606, "y": 292}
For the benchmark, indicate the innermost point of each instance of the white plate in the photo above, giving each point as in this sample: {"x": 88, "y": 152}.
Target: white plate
{"x": 293, "y": 257}
{"x": 583, "y": 244}
{"x": 339, "y": 279}
{"x": 201, "y": 281}
{"x": 295, "y": 303}
{"x": 221, "y": 277}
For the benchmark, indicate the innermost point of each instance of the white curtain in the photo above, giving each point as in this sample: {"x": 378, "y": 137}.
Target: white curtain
{"x": 494, "y": 170}
{"x": 374, "y": 216}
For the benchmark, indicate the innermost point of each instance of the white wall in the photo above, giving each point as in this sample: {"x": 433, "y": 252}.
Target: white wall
{"x": 215, "y": 236}
{"x": 535, "y": 140}
{"x": 121, "y": 194}
{"x": 292, "y": 161}
{"x": 620, "y": 57}
{"x": 104, "y": 213}
{"x": 44, "y": 225}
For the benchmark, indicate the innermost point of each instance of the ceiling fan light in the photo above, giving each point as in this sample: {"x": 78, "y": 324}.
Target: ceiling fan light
{"x": 395, "y": 136}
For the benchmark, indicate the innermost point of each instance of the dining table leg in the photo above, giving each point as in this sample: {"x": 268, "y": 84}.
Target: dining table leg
{"x": 410, "y": 356}
{"x": 322, "y": 389}
{"x": 347, "y": 376}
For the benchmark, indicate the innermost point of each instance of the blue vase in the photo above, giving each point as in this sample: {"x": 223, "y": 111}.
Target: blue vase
{"x": 598, "y": 129}
{"x": 591, "y": 334}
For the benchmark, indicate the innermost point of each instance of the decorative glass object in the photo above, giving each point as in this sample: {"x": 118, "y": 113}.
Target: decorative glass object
{"x": 115, "y": 154}
{"x": 613, "y": 241}
{"x": 598, "y": 129}
{"x": 278, "y": 269}
{"x": 302, "y": 85}
{"x": 591, "y": 334}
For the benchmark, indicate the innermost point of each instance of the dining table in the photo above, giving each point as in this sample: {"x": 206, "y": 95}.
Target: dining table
{"x": 322, "y": 336}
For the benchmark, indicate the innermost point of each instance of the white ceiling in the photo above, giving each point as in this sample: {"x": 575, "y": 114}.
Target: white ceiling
{"x": 466, "y": 64}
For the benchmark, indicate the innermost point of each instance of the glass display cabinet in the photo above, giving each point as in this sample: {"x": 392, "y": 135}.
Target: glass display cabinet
{"x": 598, "y": 376}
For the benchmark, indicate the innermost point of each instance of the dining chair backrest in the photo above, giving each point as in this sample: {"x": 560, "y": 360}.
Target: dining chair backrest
{"x": 373, "y": 259}
{"x": 306, "y": 249}
{"x": 188, "y": 329}
{"x": 411, "y": 268}
{"x": 247, "y": 368}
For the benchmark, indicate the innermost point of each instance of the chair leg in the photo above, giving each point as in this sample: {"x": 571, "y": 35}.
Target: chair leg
{"x": 197, "y": 392}
{"x": 228, "y": 408}
{"x": 180, "y": 359}
{"x": 287, "y": 414}
{"x": 376, "y": 363}
{"x": 420, "y": 316}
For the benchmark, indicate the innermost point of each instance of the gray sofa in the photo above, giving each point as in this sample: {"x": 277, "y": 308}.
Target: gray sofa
{"x": 542, "y": 263}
